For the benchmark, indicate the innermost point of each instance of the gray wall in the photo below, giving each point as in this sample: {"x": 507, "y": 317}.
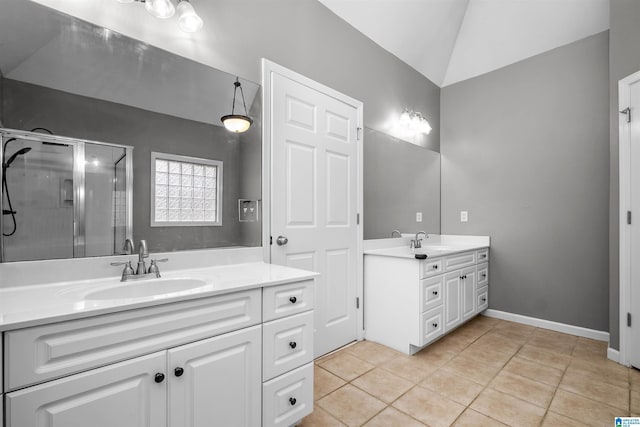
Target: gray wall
{"x": 28, "y": 106}
{"x": 624, "y": 59}
{"x": 400, "y": 179}
{"x": 525, "y": 151}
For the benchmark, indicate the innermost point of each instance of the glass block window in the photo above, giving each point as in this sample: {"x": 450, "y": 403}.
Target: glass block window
{"x": 186, "y": 191}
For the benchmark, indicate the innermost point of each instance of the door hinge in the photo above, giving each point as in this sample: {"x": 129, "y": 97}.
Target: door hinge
{"x": 627, "y": 112}
{"x": 271, "y": 240}
{"x": 358, "y": 133}
{"x": 629, "y": 217}
{"x": 629, "y": 319}
{"x": 357, "y": 302}
{"x": 357, "y": 219}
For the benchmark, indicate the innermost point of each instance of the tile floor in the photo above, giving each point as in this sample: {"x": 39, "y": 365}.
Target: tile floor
{"x": 488, "y": 372}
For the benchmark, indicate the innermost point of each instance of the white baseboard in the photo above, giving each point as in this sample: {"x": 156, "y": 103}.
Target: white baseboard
{"x": 547, "y": 324}
{"x": 613, "y": 355}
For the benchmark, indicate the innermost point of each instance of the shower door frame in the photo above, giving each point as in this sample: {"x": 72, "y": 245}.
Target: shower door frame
{"x": 79, "y": 210}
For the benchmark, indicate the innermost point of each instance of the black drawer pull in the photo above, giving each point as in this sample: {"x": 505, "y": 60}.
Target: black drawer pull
{"x": 435, "y": 325}
{"x": 292, "y": 401}
{"x": 484, "y": 300}
{"x": 435, "y": 267}
{"x": 178, "y": 372}
{"x": 159, "y": 378}
{"x": 293, "y": 344}
{"x": 293, "y": 300}
{"x": 435, "y": 292}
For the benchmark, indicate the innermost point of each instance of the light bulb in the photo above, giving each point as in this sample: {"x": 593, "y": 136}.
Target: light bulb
{"x": 425, "y": 127}
{"x": 189, "y": 21}
{"x": 125, "y": 1}
{"x": 162, "y": 9}
{"x": 237, "y": 123}
{"x": 405, "y": 117}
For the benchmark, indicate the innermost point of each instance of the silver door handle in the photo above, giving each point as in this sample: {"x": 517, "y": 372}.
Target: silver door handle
{"x": 281, "y": 240}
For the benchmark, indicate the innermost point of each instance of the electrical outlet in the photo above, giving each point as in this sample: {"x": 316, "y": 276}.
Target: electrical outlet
{"x": 418, "y": 216}
{"x": 464, "y": 216}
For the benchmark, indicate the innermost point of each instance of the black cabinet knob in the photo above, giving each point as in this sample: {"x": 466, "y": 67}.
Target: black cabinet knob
{"x": 293, "y": 300}
{"x": 178, "y": 372}
{"x": 484, "y": 275}
{"x": 435, "y": 292}
{"x": 292, "y": 401}
{"x": 484, "y": 300}
{"x": 435, "y": 267}
{"x": 159, "y": 378}
{"x": 293, "y": 344}
{"x": 435, "y": 325}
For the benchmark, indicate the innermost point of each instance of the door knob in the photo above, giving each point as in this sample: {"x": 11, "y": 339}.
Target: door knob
{"x": 281, "y": 241}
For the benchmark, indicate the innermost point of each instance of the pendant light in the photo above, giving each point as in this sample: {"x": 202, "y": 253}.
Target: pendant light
{"x": 188, "y": 20}
{"x": 162, "y": 9}
{"x": 237, "y": 123}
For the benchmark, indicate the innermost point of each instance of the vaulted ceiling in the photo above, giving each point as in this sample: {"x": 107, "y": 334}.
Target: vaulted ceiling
{"x": 453, "y": 40}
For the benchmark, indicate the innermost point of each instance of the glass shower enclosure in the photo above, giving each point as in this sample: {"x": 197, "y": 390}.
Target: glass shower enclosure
{"x": 63, "y": 197}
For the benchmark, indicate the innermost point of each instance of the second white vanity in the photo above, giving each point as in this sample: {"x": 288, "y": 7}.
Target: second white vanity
{"x": 412, "y": 302}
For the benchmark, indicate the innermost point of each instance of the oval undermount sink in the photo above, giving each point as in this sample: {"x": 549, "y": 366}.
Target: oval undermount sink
{"x": 147, "y": 288}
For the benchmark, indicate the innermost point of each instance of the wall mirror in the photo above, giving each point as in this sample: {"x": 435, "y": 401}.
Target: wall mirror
{"x": 87, "y": 83}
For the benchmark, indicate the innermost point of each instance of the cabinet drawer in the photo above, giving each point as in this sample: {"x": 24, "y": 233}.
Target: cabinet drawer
{"x": 454, "y": 262}
{"x": 482, "y": 255}
{"x": 285, "y": 300}
{"x": 288, "y": 398}
{"x": 431, "y": 326}
{"x": 41, "y": 353}
{"x": 482, "y": 278}
{"x": 431, "y": 292}
{"x": 431, "y": 268}
{"x": 288, "y": 343}
{"x": 482, "y": 299}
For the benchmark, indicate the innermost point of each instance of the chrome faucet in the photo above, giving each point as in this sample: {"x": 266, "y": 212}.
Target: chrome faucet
{"x": 143, "y": 253}
{"x": 128, "y": 247}
{"x": 141, "y": 271}
{"x": 417, "y": 243}
{"x": 396, "y": 232}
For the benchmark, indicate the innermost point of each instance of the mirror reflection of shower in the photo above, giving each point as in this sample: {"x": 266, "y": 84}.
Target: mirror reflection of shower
{"x": 63, "y": 197}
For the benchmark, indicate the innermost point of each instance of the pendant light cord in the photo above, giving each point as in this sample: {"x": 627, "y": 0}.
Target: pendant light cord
{"x": 237, "y": 85}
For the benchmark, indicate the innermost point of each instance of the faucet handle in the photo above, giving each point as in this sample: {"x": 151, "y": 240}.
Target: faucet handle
{"x": 128, "y": 269}
{"x": 153, "y": 268}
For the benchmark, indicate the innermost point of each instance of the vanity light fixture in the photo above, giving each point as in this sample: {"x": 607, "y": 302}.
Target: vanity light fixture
{"x": 237, "y": 123}
{"x": 188, "y": 19}
{"x": 414, "y": 122}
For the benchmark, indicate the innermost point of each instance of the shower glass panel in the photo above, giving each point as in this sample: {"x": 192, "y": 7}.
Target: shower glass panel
{"x": 63, "y": 197}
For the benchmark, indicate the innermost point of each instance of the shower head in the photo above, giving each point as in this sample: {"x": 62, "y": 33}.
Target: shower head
{"x": 20, "y": 152}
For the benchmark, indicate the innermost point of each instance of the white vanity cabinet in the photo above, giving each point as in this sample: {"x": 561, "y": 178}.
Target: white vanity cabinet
{"x": 184, "y": 364}
{"x": 410, "y": 302}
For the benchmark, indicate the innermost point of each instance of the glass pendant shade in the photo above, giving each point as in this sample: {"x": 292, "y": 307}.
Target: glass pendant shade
{"x": 188, "y": 20}
{"x": 162, "y": 9}
{"x": 236, "y": 123}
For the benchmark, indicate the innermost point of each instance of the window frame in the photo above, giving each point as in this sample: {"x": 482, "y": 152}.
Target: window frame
{"x": 186, "y": 159}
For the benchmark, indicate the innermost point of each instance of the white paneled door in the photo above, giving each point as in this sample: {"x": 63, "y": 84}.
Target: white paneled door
{"x": 634, "y": 130}
{"x": 314, "y": 134}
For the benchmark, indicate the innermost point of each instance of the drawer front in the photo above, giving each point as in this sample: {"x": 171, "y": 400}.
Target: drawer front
{"x": 431, "y": 327}
{"x": 285, "y": 300}
{"x": 431, "y": 267}
{"x": 482, "y": 255}
{"x": 482, "y": 299}
{"x": 482, "y": 277}
{"x": 431, "y": 291}
{"x": 288, "y": 398}
{"x": 45, "y": 352}
{"x": 454, "y": 262}
{"x": 288, "y": 344}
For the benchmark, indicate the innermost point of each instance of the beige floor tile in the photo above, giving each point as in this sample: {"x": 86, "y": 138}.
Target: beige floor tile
{"x": 534, "y": 371}
{"x": 587, "y": 386}
{"x": 429, "y": 407}
{"x": 319, "y": 418}
{"x": 554, "y": 420}
{"x": 324, "y": 382}
{"x": 452, "y": 343}
{"x": 410, "y": 368}
{"x": 544, "y": 357}
{"x": 372, "y": 352}
{"x": 635, "y": 401}
{"x": 383, "y": 384}
{"x": 634, "y": 378}
{"x": 350, "y": 405}
{"x": 605, "y": 371}
{"x": 590, "y": 349}
{"x": 346, "y": 366}
{"x": 471, "y": 418}
{"x": 472, "y": 369}
{"x": 553, "y": 341}
{"x": 508, "y": 409}
{"x": 391, "y": 417}
{"x": 583, "y": 409}
{"x": 513, "y": 327}
{"x": 435, "y": 356}
{"x": 491, "y": 321}
{"x": 523, "y": 388}
{"x": 454, "y": 387}
{"x": 486, "y": 355}
{"x": 495, "y": 341}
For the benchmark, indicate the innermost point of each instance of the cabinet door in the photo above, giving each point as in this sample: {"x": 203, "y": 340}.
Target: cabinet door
{"x": 123, "y": 394}
{"x": 452, "y": 296}
{"x": 468, "y": 293}
{"x": 217, "y": 381}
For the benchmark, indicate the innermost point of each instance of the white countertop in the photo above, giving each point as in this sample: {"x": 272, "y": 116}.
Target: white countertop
{"x": 24, "y": 306}
{"x": 432, "y": 251}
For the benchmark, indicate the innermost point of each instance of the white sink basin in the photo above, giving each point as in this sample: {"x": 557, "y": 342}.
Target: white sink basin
{"x": 147, "y": 288}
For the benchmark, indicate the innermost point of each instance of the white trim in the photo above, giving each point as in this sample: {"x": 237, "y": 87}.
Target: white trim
{"x": 268, "y": 69}
{"x": 613, "y": 355}
{"x": 548, "y": 324}
{"x": 624, "y": 99}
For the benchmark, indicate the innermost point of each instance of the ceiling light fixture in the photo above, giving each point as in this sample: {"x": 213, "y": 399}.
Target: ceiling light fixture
{"x": 237, "y": 123}
{"x": 188, "y": 19}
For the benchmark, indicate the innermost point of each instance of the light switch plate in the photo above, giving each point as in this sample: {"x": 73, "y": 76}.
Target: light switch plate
{"x": 464, "y": 216}
{"x": 247, "y": 210}
{"x": 418, "y": 216}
